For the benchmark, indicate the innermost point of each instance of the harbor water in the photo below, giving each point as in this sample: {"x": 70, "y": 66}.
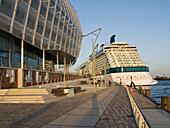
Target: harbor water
{"x": 161, "y": 89}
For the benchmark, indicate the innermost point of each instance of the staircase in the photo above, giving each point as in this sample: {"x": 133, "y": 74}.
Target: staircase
{"x": 27, "y": 95}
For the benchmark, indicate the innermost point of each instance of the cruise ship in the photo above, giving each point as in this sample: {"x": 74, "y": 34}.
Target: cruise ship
{"x": 121, "y": 63}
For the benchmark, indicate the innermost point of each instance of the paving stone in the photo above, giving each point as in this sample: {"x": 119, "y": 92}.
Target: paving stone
{"x": 54, "y": 126}
{"x": 118, "y": 113}
{"x": 76, "y": 120}
{"x": 38, "y": 115}
{"x": 90, "y": 112}
{"x": 143, "y": 101}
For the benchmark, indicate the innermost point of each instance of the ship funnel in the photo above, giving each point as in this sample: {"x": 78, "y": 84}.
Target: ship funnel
{"x": 112, "y": 39}
{"x": 101, "y": 45}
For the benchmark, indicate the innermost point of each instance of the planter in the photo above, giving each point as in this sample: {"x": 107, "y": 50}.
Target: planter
{"x": 69, "y": 91}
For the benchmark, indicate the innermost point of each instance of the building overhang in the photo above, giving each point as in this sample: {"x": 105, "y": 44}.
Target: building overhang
{"x": 61, "y": 53}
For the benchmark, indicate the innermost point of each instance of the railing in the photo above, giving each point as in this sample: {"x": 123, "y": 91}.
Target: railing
{"x": 140, "y": 119}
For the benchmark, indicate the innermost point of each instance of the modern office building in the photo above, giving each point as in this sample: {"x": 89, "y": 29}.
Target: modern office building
{"x": 36, "y": 34}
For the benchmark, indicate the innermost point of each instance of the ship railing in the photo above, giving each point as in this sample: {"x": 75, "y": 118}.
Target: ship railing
{"x": 140, "y": 119}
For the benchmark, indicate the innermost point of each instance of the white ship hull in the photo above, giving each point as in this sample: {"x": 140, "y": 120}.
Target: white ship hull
{"x": 139, "y": 78}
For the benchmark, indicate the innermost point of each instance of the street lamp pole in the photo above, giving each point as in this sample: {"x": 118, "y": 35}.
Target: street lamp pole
{"x": 93, "y": 49}
{"x": 105, "y": 73}
{"x": 64, "y": 69}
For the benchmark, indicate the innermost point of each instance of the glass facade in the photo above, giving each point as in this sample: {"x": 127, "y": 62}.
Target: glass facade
{"x": 47, "y": 25}
{"x": 10, "y": 51}
{"x": 32, "y": 57}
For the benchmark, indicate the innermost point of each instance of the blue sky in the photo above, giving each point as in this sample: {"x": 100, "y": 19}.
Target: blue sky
{"x": 145, "y": 23}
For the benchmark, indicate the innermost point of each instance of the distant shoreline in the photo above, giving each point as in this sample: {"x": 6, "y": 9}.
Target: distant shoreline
{"x": 161, "y": 78}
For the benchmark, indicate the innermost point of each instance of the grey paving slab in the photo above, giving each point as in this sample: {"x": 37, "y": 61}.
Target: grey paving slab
{"x": 91, "y": 105}
{"x": 54, "y": 126}
{"x": 76, "y": 120}
{"x": 89, "y": 112}
{"x": 156, "y": 118}
{"x": 160, "y": 125}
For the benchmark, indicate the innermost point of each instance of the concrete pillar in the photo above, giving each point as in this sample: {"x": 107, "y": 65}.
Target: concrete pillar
{"x": 57, "y": 63}
{"x": 20, "y": 77}
{"x": 64, "y": 68}
{"x": 43, "y": 60}
{"x": 22, "y": 54}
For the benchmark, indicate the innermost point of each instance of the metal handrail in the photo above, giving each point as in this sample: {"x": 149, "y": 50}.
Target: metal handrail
{"x": 140, "y": 119}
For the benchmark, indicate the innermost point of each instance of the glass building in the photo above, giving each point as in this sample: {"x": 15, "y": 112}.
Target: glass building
{"x": 35, "y": 33}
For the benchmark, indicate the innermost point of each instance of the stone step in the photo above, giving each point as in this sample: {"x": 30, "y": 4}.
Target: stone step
{"x": 26, "y": 97}
{"x": 9, "y": 102}
{"x": 22, "y": 101}
{"x": 32, "y": 101}
{"x": 28, "y": 90}
{"x": 3, "y": 91}
{"x": 38, "y": 93}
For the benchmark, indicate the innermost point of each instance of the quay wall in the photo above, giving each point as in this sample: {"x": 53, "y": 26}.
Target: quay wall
{"x": 18, "y": 78}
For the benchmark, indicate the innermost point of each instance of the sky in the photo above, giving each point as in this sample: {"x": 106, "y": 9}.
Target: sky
{"x": 145, "y": 23}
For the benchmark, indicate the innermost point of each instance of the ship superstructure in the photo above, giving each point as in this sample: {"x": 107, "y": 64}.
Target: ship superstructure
{"x": 122, "y": 63}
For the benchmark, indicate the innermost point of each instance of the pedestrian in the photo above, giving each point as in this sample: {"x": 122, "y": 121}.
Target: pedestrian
{"x": 110, "y": 83}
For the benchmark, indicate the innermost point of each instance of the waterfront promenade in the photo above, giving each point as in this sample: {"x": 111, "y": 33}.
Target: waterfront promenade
{"x": 110, "y": 104}
{"x": 109, "y": 107}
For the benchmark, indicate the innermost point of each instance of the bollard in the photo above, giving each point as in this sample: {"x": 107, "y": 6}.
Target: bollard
{"x": 141, "y": 90}
{"x": 168, "y": 104}
{"x": 147, "y": 92}
{"x": 164, "y": 102}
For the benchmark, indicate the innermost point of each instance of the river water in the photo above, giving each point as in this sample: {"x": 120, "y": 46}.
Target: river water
{"x": 161, "y": 89}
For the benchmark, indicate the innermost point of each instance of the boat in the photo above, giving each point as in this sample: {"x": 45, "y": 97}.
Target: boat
{"x": 118, "y": 62}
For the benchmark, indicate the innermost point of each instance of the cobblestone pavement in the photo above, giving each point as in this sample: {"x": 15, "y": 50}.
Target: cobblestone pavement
{"x": 118, "y": 114}
{"x": 143, "y": 101}
{"x": 38, "y": 115}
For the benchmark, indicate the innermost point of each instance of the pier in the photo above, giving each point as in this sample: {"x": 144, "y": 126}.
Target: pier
{"x": 156, "y": 117}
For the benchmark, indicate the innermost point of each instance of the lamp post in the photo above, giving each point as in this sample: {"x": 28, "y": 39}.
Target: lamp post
{"x": 93, "y": 49}
{"x": 105, "y": 74}
{"x": 64, "y": 68}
